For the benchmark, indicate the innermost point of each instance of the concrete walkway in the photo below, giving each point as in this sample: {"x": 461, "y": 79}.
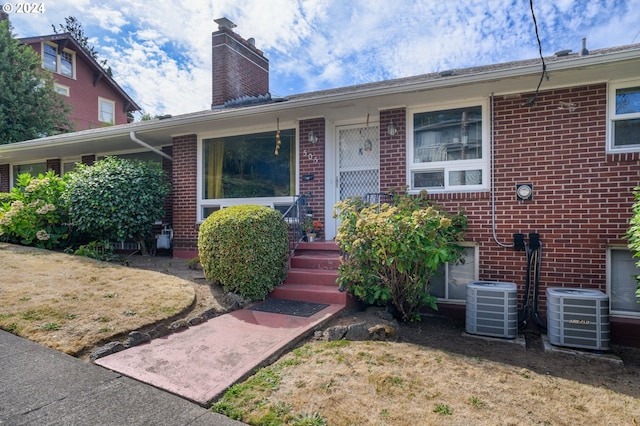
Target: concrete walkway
{"x": 40, "y": 386}
{"x": 201, "y": 362}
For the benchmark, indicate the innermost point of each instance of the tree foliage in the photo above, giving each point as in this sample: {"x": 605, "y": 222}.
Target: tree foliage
{"x": 74, "y": 27}
{"x": 391, "y": 252}
{"x": 116, "y": 199}
{"x": 633, "y": 234}
{"x": 244, "y": 248}
{"x": 29, "y": 105}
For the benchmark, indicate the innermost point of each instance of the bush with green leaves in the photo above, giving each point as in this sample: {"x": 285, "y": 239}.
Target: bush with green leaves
{"x": 116, "y": 199}
{"x": 244, "y": 249}
{"x": 34, "y": 214}
{"x": 633, "y": 235}
{"x": 391, "y": 252}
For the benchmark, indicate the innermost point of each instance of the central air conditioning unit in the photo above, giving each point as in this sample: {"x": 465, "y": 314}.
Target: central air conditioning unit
{"x": 578, "y": 318}
{"x": 492, "y": 309}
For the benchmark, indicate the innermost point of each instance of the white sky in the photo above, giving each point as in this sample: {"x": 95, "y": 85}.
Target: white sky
{"x": 160, "y": 51}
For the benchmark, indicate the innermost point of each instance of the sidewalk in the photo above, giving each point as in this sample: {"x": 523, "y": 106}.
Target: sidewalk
{"x": 40, "y": 386}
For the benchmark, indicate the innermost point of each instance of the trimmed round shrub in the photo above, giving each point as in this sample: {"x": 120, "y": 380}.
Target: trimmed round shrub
{"x": 244, "y": 249}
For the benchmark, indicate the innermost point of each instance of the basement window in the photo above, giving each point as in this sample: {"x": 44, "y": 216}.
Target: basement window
{"x": 624, "y": 117}
{"x": 621, "y": 282}
{"x": 450, "y": 284}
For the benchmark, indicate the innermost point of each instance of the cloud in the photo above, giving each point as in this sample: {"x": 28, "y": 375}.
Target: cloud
{"x": 160, "y": 52}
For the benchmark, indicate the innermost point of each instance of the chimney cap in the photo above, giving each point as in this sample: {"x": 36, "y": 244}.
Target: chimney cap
{"x": 224, "y": 23}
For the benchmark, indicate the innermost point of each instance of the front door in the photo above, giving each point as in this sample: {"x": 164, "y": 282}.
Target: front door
{"x": 358, "y": 161}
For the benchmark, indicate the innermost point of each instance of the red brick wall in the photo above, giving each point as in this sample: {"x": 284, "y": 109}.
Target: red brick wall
{"x": 581, "y": 196}
{"x": 238, "y": 68}
{"x": 393, "y": 150}
{"x": 312, "y": 161}
{"x": 4, "y": 178}
{"x": 185, "y": 187}
{"x": 167, "y": 167}
{"x": 54, "y": 165}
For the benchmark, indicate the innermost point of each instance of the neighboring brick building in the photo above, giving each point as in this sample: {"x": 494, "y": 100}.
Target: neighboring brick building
{"x": 96, "y": 100}
{"x": 470, "y": 137}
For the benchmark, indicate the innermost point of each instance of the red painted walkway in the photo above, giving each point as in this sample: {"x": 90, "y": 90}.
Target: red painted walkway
{"x": 201, "y": 362}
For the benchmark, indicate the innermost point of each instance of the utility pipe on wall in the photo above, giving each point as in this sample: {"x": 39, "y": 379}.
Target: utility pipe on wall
{"x": 493, "y": 184}
{"x": 133, "y": 137}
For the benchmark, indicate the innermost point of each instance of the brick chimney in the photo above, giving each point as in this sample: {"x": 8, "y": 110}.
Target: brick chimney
{"x": 238, "y": 68}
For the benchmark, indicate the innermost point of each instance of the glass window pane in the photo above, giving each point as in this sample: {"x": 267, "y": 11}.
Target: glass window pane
{"x": 246, "y": 166}
{"x": 626, "y": 132}
{"x": 465, "y": 177}
{"x": 66, "y": 64}
{"x": 448, "y": 135}
{"x": 50, "y": 58}
{"x": 628, "y": 100}
{"x": 460, "y": 274}
{"x": 433, "y": 179}
{"x": 623, "y": 284}
{"x": 106, "y": 111}
{"x": 34, "y": 169}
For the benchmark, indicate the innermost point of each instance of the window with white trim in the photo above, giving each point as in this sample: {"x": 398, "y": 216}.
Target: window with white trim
{"x": 448, "y": 149}
{"x": 106, "y": 110}
{"x": 621, "y": 282}
{"x": 60, "y": 62}
{"x": 624, "y": 116}
{"x": 34, "y": 169}
{"x": 450, "y": 284}
{"x": 62, "y": 89}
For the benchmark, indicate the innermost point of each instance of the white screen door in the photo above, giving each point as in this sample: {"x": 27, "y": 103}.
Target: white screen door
{"x": 358, "y": 161}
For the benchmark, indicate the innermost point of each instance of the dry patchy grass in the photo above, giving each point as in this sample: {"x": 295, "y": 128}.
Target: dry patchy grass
{"x": 391, "y": 383}
{"x": 72, "y": 303}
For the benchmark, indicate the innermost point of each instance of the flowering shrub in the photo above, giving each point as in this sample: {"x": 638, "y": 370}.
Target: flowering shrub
{"x": 391, "y": 252}
{"x": 633, "y": 235}
{"x": 35, "y": 216}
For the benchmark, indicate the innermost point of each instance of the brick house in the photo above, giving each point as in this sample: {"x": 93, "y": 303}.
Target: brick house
{"x": 470, "y": 137}
{"x": 96, "y": 100}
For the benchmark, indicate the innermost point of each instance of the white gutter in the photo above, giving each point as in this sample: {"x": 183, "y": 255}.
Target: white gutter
{"x": 133, "y": 137}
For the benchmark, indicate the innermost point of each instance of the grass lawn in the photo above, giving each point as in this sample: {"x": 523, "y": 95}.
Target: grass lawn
{"x": 72, "y": 303}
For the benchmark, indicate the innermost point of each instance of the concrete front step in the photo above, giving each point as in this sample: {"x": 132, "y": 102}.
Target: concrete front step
{"x": 311, "y": 293}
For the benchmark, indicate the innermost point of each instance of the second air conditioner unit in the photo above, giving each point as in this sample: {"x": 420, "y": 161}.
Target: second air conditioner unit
{"x": 578, "y": 318}
{"x": 492, "y": 309}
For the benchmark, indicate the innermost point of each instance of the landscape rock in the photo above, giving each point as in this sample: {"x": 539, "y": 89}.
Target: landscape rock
{"x": 381, "y": 332}
{"x": 336, "y": 333}
{"x": 179, "y": 325}
{"x": 108, "y": 349}
{"x": 357, "y": 332}
{"x": 195, "y": 321}
{"x": 136, "y": 338}
{"x": 234, "y": 301}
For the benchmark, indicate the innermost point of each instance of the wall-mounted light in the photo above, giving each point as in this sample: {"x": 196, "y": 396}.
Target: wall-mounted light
{"x": 392, "y": 129}
{"x": 313, "y": 138}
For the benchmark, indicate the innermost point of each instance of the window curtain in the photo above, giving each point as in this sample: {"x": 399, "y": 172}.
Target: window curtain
{"x": 214, "y": 169}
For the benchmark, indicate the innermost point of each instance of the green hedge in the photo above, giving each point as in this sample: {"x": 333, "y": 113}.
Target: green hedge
{"x": 244, "y": 249}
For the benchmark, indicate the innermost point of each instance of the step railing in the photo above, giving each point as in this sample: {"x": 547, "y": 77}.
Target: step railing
{"x": 295, "y": 216}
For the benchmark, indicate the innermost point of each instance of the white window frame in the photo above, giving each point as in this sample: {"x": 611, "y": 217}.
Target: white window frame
{"x": 58, "y": 67}
{"x": 113, "y": 110}
{"x": 612, "y": 116}
{"x": 448, "y": 266}
{"x": 227, "y": 202}
{"x": 446, "y": 167}
{"x": 610, "y": 268}
{"x": 62, "y": 89}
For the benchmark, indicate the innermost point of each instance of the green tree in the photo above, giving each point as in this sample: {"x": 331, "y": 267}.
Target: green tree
{"x": 29, "y": 105}
{"x": 74, "y": 27}
{"x": 116, "y": 199}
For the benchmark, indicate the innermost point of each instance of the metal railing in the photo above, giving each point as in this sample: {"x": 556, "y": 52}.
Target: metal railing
{"x": 295, "y": 216}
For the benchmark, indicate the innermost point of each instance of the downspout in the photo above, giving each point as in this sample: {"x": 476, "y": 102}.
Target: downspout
{"x": 133, "y": 137}
{"x": 493, "y": 186}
